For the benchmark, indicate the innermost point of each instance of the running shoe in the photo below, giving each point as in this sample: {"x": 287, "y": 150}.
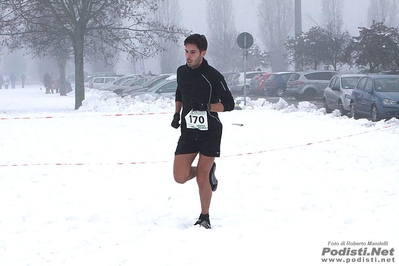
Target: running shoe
{"x": 203, "y": 221}
{"x": 212, "y": 178}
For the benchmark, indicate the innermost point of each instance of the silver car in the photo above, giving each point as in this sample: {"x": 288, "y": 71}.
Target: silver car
{"x": 166, "y": 88}
{"x": 338, "y": 93}
{"x": 308, "y": 85}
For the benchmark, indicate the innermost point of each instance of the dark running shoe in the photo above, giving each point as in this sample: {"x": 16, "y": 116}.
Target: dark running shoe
{"x": 203, "y": 221}
{"x": 212, "y": 178}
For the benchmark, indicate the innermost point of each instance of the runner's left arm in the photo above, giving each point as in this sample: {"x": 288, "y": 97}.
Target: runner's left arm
{"x": 226, "y": 102}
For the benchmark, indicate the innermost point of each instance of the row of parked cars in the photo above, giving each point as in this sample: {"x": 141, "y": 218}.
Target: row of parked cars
{"x": 301, "y": 85}
{"x": 370, "y": 96}
{"x": 135, "y": 84}
{"x": 374, "y": 96}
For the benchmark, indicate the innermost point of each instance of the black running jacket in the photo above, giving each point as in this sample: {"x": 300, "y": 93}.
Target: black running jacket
{"x": 207, "y": 85}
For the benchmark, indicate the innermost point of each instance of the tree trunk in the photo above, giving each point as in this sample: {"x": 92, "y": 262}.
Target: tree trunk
{"x": 78, "y": 47}
{"x": 62, "y": 80}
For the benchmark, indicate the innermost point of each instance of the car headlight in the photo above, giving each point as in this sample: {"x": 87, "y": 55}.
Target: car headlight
{"x": 388, "y": 102}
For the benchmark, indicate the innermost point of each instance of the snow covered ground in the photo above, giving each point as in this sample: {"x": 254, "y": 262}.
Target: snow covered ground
{"x": 94, "y": 186}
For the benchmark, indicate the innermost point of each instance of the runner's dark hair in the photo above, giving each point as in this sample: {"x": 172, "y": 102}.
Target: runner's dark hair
{"x": 199, "y": 40}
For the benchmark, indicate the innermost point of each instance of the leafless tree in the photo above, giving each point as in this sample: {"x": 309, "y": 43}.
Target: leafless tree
{"x": 223, "y": 49}
{"x": 100, "y": 26}
{"x": 338, "y": 39}
{"x": 332, "y": 16}
{"x": 169, "y": 13}
{"x": 383, "y": 11}
{"x": 276, "y": 21}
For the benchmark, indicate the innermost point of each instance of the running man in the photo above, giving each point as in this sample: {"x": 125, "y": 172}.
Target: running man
{"x": 201, "y": 93}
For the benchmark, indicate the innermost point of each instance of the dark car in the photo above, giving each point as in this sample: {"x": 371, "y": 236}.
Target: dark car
{"x": 276, "y": 84}
{"x": 376, "y": 97}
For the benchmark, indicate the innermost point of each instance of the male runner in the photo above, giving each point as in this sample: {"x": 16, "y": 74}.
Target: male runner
{"x": 201, "y": 93}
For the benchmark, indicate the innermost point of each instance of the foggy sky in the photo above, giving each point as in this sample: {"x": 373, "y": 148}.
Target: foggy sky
{"x": 246, "y": 16}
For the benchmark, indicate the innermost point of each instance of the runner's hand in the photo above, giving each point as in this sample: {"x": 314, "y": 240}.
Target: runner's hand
{"x": 176, "y": 119}
{"x": 198, "y": 106}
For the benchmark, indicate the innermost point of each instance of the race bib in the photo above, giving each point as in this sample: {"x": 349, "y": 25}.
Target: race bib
{"x": 197, "y": 120}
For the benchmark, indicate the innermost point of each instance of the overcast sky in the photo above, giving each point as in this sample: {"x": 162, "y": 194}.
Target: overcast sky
{"x": 246, "y": 14}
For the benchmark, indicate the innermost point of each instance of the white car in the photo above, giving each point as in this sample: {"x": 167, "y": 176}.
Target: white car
{"x": 338, "y": 93}
{"x": 99, "y": 81}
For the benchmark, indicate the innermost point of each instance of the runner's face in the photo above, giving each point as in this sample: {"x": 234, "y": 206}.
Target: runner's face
{"x": 193, "y": 55}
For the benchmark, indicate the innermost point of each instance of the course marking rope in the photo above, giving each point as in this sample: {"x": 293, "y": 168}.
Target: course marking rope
{"x": 225, "y": 156}
{"x": 65, "y": 116}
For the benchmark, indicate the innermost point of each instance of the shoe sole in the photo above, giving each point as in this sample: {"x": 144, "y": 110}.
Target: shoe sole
{"x": 212, "y": 178}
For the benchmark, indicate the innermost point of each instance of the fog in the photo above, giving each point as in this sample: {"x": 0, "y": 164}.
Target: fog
{"x": 246, "y": 17}
{"x": 194, "y": 18}
{"x": 246, "y": 14}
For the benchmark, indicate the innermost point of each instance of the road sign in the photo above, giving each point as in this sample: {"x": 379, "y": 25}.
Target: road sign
{"x": 245, "y": 40}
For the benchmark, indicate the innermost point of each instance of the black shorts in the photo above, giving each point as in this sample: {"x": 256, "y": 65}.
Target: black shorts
{"x": 207, "y": 145}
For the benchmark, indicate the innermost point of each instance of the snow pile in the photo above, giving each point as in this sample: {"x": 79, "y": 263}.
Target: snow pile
{"x": 105, "y": 101}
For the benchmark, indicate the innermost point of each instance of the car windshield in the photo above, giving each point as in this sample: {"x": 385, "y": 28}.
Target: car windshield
{"x": 349, "y": 82}
{"x": 387, "y": 84}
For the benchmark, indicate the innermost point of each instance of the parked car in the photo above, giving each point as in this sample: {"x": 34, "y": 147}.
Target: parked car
{"x": 256, "y": 82}
{"x": 276, "y": 84}
{"x": 376, "y": 97}
{"x": 127, "y": 85}
{"x": 338, "y": 93}
{"x": 228, "y": 75}
{"x": 308, "y": 85}
{"x": 237, "y": 81}
{"x": 111, "y": 86}
{"x": 166, "y": 88}
{"x": 151, "y": 82}
{"x": 262, "y": 83}
{"x": 97, "y": 82}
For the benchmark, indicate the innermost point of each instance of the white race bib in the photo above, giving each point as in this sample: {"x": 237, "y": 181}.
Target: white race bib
{"x": 197, "y": 120}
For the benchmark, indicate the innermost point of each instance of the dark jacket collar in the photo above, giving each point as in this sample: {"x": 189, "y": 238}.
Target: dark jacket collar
{"x": 203, "y": 65}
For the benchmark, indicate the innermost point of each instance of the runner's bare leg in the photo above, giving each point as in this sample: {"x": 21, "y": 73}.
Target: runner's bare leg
{"x": 203, "y": 168}
{"x": 183, "y": 171}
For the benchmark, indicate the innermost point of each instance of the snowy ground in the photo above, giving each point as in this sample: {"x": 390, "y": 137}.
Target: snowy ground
{"x": 94, "y": 186}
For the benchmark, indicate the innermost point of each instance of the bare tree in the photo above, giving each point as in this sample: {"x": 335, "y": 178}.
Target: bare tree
{"x": 222, "y": 35}
{"x": 332, "y": 16}
{"x": 383, "y": 11}
{"x": 125, "y": 25}
{"x": 169, "y": 13}
{"x": 276, "y": 21}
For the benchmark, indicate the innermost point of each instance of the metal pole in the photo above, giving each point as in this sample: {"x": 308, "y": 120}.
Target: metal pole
{"x": 298, "y": 27}
{"x": 245, "y": 71}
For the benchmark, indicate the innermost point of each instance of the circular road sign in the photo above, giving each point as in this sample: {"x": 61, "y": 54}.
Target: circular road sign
{"x": 245, "y": 40}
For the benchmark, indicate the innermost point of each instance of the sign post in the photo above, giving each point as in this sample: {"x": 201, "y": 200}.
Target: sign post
{"x": 245, "y": 41}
